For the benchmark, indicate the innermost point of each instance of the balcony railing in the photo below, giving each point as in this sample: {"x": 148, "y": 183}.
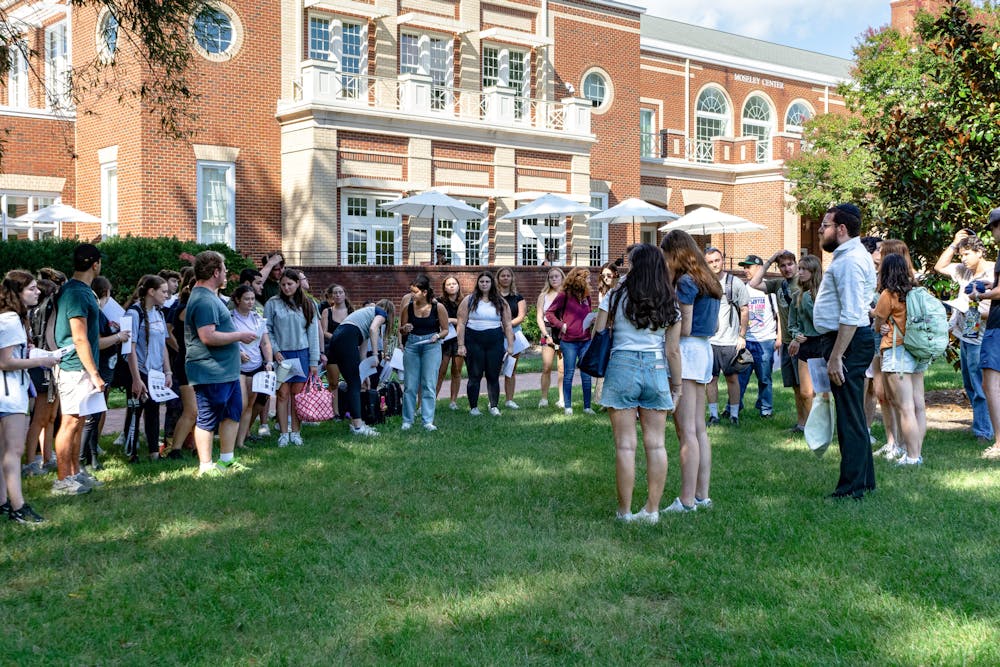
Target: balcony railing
{"x": 416, "y": 94}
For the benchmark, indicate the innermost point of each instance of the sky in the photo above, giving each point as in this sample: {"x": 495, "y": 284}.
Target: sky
{"x": 826, "y": 26}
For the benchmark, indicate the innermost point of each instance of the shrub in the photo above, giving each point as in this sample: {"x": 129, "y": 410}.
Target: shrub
{"x": 529, "y": 327}
{"x": 128, "y": 257}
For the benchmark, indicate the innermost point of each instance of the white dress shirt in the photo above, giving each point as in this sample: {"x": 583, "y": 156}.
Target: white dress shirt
{"x": 845, "y": 295}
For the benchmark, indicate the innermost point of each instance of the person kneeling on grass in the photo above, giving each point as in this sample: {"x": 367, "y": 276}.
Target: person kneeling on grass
{"x": 644, "y": 315}
{"x": 213, "y": 364}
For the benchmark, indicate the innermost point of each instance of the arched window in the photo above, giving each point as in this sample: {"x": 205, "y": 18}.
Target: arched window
{"x": 796, "y": 117}
{"x": 711, "y": 119}
{"x": 758, "y": 121}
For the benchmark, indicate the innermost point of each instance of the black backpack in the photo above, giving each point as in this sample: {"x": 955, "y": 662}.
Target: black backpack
{"x": 122, "y": 378}
{"x": 42, "y": 320}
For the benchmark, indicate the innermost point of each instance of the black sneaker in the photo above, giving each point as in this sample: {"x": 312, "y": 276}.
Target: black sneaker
{"x": 6, "y": 509}
{"x": 734, "y": 421}
{"x": 25, "y": 515}
{"x": 712, "y": 421}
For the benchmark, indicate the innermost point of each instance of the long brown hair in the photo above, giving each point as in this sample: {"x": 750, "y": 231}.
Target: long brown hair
{"x": 577, "y": 284}
{"x": 299, "y": 300}
{"x": 811, "y": 264}
{"x": 684, "y": 258}
{"x": 898, "y": 247}
{"x": 14, "y": 283}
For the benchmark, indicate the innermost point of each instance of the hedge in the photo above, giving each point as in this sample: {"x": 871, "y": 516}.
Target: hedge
{"x": 128, "y": 258}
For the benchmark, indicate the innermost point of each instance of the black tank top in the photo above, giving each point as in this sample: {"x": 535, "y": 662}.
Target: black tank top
{"x": 422, "y": 326}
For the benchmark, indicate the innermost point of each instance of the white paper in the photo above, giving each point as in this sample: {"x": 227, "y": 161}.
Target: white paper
{"x": 451, "y": 333}
{"x": 113, "y": 311}
{"x": 508, "y": 366}
{"x": 94, "y": 402}
{"x": 39, "y": 353}
{"x": 820, "y": 378}
{"x": 126, "y": 326}
{"x": 157, "y": 387}
{"x": 520, "y": 343}
{"x": 265, "y": 382}
{"x": 387, "y": 372}
{"x": 367, "y": 367}
{"x": 395, "y": 362}
{"x": 589, "y": 320}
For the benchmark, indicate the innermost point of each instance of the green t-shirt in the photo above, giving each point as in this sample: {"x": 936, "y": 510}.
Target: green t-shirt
{"x": 209, "y": 364}
{"x": 783, "y": 290}
{"x": 77, "y": 299}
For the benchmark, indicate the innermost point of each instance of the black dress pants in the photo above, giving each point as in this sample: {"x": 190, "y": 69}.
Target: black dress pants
{"x": 857, "y": 470}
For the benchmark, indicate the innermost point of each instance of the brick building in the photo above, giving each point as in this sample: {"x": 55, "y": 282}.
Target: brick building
{"x": 354, "y": 103}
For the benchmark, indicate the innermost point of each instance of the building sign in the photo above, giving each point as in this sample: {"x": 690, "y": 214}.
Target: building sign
{"x": 758, "y": 81}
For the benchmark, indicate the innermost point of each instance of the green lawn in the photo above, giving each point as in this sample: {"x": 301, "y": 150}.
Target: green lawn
{"x": 492, "y": 541}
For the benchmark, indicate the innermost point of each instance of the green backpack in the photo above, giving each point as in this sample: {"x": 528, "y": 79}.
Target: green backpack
{"x": 926, "y": 334}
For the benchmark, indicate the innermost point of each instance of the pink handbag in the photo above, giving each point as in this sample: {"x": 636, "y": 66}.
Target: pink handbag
{"x": 314, "y": 403}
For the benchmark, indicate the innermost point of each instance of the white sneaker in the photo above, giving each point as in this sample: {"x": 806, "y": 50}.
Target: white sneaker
{"x": 883, "y": 451}
{"x": 453, "y": 406}
{"x": 88, "y": 480}
{"x": 283, "y": 440}
{"x": 264, "y": 431}
{"x": 475, "y": 412}
{"x": 544, "y": 403}
{"x": 364, "y": 430}
{"x": 560, "y": 403}
{"x": 678, "y": 506}
{"x": 642, "y": 516}
{"x": 907, "y": 461}
{"x": 589, "y": 411}
{"x": 495, "y": 411}
{"x": 296, "y": 438}
{"x": 430, "y": 427}
{"x": 897, "y": 454}
{"x": 120, "y": 440}
{"x": 567, "y": 411}
{"x": 406, "y": 426}
{"x": 68, "y": 487}
{"x": 513, "y": 406}
{"x": 702, "y": 503}
{"x": 624, "y": 516}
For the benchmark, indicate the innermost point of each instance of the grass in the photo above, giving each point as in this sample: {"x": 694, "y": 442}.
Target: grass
{"x": 492, "y": 541}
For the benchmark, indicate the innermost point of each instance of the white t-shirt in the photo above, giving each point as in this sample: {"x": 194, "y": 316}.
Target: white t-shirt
{"x": 729, "y": 323}
{"x": 967, "y": 327}
{"x": 14, "y": 384}
{"x": 762, "y": 307}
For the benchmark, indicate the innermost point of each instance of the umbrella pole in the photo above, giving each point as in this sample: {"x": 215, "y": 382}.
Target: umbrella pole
{"x": 434, "y": 231}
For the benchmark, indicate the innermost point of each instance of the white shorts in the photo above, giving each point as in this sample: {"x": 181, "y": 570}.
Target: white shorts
{"x": 696, "y": 359}
{"x": 73, "y": 386}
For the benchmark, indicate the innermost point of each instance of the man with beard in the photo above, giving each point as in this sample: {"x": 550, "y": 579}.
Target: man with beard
{"x": 841, "y": 317}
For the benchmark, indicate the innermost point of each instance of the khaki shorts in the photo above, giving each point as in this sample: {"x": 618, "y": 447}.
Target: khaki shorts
{"x": 74, "y": 386}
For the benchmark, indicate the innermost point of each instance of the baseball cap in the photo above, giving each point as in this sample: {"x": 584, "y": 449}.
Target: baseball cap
{"x": 994, "y": 219}
{"x": 85, "y": 255}
{"x": 752, "y": 260}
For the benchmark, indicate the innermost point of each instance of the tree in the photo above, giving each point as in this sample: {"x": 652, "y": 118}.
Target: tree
{"x": 154, "y": 38}
{"x": 835, "y": 166}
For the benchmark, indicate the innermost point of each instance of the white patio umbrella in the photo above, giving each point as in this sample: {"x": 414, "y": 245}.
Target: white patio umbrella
{"x": 436, "y": 206}
{"x": 57, "y": 213}
{"x": 548, "y": 206}
{"x": 705, "y": 220}
{"x": 634, "y": 210}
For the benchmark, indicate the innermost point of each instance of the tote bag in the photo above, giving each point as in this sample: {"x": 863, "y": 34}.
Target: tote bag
{"x": 314, "y": 403}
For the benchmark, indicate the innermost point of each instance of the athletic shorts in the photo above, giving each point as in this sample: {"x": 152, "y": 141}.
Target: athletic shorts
{"x": 722, "y": 357}
{"x": 989, "y": 353}
{"x": 218, "y": 402}
{"x": 789, "y": 368}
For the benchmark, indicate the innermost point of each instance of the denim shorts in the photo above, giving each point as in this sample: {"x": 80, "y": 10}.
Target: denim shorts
{"x": 637, "y": 380}
{"x": 898, "y": 360}
{"x": 989, "y": 353}
{"x": 696, "y": 359}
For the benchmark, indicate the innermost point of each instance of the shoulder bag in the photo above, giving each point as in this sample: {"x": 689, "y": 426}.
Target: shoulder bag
{"x": 594, "y": 361}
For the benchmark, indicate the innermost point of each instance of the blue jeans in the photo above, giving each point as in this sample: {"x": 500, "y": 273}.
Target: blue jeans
{"x": 972, "y": 379}
{"x": 572, "y": 351}
{"x": 763, "y": 362}
{"x": 420, "y": 371}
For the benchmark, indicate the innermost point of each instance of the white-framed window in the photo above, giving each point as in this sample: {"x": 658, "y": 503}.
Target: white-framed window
{"x": 107, "y": 36}
{"x": 711, "y": 119}
{"x": 540, "y": 239}
{"x": 798, "y": 114}
{"x": 758, "y": 121}
{"x": 464, "y": 242}
{"x": 17, "y": 88}
{"x": 370, "y": 233}
{"x": 433, "y": 56}
{"x": 14, "y": 204}
{"x": 344, "y": 43}
{"x": 216, "y": 202}
{"x": 647, "y": 133}
{"x": 109, "y": 198}
{"x": 216, "y": 31}
{"x": 598, "y": 230}
{"x": 58, "y": 75}
{"x": 509, "y": 68}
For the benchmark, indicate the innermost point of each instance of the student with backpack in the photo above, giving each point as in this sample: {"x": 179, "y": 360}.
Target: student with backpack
{"x": 45, "y": 407}
{"x": 149, "y": 353}
{"x": 903, "y": 373}
{"x": 18, "y": 292}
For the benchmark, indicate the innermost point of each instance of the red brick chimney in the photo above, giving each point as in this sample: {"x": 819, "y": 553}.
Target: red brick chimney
{"x": 903, "y": 12}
